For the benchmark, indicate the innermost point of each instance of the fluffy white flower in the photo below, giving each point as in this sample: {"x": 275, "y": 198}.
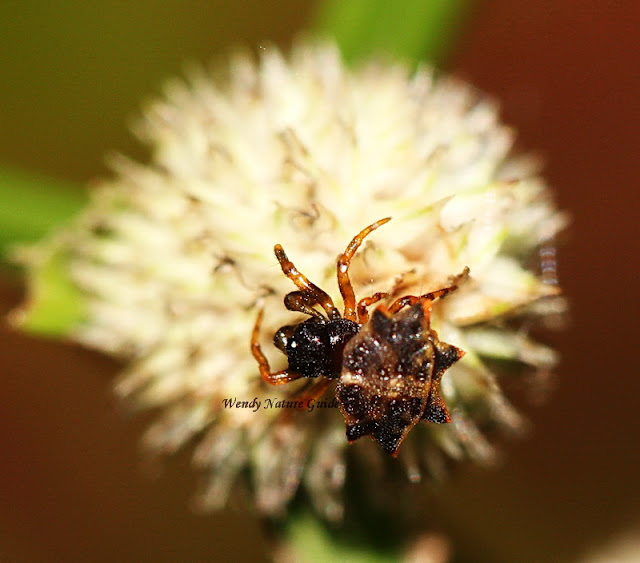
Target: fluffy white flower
{"x": 176, "y": 256}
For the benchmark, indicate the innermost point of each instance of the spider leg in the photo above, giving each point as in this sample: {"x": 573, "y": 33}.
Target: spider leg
{"x": 303, "y": 400}
{"x": 302, "y": 302}
{"x": 313, "y": 393}
{"x": 431, "y": 296}
{"x": 363, "y": 314}
{"x": 315, "y": 294}
{"x": 441, "y": 293}
{"x": 344, "y": 282}
{"x": 275, "y": 378}
{"x": 403, "y": 302}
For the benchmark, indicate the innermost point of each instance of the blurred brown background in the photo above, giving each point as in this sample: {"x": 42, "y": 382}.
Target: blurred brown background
{"x": 72, "y": 484}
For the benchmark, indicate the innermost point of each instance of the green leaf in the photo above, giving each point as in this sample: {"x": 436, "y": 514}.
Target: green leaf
{"x": 54, "y": 304}
{"x": 411, "y": 30}
{"x": 32, "y": 205}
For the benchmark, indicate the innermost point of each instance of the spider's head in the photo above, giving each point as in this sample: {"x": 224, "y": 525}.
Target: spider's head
{"x": 314, "y": 347}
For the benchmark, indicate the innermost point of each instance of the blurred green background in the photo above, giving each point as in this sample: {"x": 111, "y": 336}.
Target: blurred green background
{"x": 72, "y": 483}
{"x": 75, "y": 73}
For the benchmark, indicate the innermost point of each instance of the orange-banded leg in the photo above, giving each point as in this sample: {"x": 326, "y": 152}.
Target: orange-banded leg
{"x": 344, "y": 282}
{"x": 431, "y": 296}
{"x": 275, "y": 378}
{"x": 302, "y": 302}
{"x": 363, "y": 313}
{"x": 303, "y": 399}
{"x": 314, "y": 293}
{"x": 313, "y": 392}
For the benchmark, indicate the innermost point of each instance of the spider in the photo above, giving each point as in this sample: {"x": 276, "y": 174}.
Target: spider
{"x": 388, "y": 366}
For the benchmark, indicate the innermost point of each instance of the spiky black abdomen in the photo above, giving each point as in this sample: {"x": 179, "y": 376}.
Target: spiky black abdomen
{"x": 391, "y": 376}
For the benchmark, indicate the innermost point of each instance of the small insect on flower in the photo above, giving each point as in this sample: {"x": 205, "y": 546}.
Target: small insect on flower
{"x": 388, "y": 367}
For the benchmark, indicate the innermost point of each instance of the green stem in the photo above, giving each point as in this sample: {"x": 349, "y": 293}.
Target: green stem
{"x": 308, "y": 539}
{"x": 411, "y": 30}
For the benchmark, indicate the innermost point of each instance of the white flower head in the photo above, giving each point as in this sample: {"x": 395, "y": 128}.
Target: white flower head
{"x": 176, "y": 257}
